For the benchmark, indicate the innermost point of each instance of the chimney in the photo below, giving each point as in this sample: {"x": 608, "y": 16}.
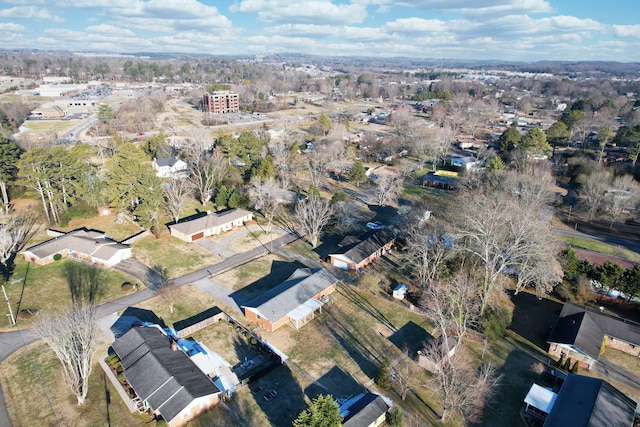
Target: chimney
{"x": 174, "y": 346}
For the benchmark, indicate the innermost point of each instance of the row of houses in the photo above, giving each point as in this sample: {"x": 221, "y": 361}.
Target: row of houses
{"x": 95, "y": 247}
{"x": 583, "y": 334}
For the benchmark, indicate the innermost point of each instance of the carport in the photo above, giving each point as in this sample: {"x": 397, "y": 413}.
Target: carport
{"x": 304, "y": 312}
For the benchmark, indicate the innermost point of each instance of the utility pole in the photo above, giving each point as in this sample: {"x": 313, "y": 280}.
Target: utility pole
{"x": 6, "y": 298}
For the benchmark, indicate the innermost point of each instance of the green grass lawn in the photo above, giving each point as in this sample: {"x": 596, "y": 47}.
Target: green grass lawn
{"x": 602, "y": 247}
{"x": 46, "y": 288}
{"x": 176, "y": 256}
{"x": 51, "y": 125}
{"x": 413, "y": 191}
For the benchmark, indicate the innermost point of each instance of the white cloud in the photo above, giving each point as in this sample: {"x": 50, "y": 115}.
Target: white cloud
{"x": 626, "y": 30}
{"x": 109, "y": 30}
{"x": 419, "y": 25}
{"x": 304, "y": 11}
{"x": 469, "y": 7}
{"x": 350, "y": 33}
{"x": 30, "y": 12}
{"x": 10, "y": 26}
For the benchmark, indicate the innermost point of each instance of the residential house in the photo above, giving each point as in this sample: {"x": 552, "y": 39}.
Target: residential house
{"x": 170, "y": 167}
{"x": 86, "y": 245}
{"x": 443, "y": 182}
{"x": 211, "y": 224}
{"x": 163, "y": 376}
{"x": 360, "y": 252}
{"x": 582, "y": 333}
{"x": 293, "y": 301}
{"x": 580, "y": 402}
{"x": 463, "y": 162}
{"x": 365, "y": 410}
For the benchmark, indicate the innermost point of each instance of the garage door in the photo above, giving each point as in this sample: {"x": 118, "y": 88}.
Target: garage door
{"x": 340, "y": 264}
{"x": 197, "y": 236}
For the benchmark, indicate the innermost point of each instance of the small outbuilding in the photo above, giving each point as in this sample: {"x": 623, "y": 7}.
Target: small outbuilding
{"x": 400, "y": 291}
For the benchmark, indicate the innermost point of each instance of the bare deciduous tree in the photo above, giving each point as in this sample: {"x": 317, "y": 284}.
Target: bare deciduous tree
{"x": 313, "y": 215}
{"x": 404, "y": 377}
{"x": 593, "y": 190}
{"x": 500, "y": 227}
{"x": 388, "y": 189}
{"x": 316, "y": 163}
{"x": 72, "y": 336}
{"x": 453, "y": 306}
{"x": 207, "y": 169}
{"x": 176, "y": 192}
{"x": 267, "y": 198}
{"x": 166, "y": 289}
{"x": 16, "y": 231}
{"x": 622, "y": 195}
{"x": 462, "y": 387}
{"x": 429, "y": 248}
{"x": 343, "y": 220}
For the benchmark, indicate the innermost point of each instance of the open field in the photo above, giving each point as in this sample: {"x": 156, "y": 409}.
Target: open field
{"x": 50, "y": 125}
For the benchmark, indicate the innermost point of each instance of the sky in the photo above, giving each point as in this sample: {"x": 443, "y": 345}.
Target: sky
{"x": 508, "y": 30}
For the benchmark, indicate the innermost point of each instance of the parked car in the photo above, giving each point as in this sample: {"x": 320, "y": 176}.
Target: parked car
{"x": 375, "y": 225}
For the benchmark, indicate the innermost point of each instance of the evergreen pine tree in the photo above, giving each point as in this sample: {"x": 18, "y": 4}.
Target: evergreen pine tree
{"x": 384, "y": 376}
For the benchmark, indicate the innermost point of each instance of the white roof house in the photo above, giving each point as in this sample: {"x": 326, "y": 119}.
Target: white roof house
{"x": 88, "y": 245}
{"x": 171, "y": 167}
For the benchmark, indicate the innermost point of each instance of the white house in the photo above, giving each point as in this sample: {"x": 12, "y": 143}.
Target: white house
{"x": 88, "y": 245}
{"x": 171, "y": 167}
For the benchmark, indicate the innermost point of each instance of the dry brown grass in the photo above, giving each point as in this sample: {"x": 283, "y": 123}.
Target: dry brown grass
{"x": 106, "y": 223}
{"x": 189, "y": 301}
{"x": 248, "y": 273}
{"x": 252, "y": 240}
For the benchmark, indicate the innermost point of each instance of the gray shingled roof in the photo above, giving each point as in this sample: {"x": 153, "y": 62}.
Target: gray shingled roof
{"x": 168, "y": 161}
{"x": 585, "y": 328}
{"x": 370, "y": 243}
{"x": 300, "y": 287}
{"x": 168, "y": 380}
{"x": 590, "y": 402}
{"x": 88, "y": 242}
{"x": 209, "y": 221}
{"x": 365, "y": 411}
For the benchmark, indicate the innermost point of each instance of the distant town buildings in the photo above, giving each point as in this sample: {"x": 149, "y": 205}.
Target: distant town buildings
{"x": 220, "y": 102}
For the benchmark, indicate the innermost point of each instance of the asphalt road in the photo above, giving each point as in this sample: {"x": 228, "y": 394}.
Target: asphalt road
{"x": 631, "y": 244}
